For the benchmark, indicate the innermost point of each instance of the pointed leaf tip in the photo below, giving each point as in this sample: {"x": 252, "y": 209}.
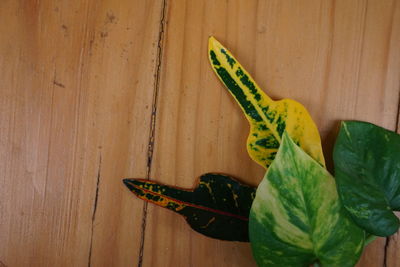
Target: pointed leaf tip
{"x": 268, "y": 119}
{"x": 127, "y": 183}
{"x": 211, "y": 40}
{"x": 217, "y": 207}
{"x": 136, "y": 184}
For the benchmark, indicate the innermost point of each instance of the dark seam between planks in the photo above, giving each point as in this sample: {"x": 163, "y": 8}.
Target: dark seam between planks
{"x": 398, "y": 113}
{"x": 86, "y": 52}
{"x": 387, "y": 241}
{"x": 385, "y": 250}
{"x": 94, "y": 211}
{"x": 152, "y": 125}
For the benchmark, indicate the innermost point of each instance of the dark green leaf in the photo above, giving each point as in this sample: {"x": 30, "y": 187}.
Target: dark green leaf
{"x": 367, "y": 170}
{"x": 218, "y": 207}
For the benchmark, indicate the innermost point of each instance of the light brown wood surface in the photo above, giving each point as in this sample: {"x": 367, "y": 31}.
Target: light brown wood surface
{"x": 96, "y": 91}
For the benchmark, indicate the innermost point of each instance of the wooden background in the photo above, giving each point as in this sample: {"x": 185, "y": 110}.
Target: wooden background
{"x": 93, "y": 91}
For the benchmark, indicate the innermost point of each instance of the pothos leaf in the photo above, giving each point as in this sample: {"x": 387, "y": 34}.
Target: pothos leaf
{"x": 218, "y": 207}
{"x": 367, "y": 170}
{"x": 297, "y": 218}
{"x": 268, "y": 119}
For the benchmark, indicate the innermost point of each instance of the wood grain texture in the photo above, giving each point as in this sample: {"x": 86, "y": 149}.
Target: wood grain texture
{"x": 90, "y": 88}
{"x": 77, "y": 82}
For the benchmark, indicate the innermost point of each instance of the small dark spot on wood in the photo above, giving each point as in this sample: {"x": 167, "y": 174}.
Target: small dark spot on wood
{"x": 91, "y": 43}
{"x": 58, "y": 84}
{"x": 103, "y": 34}
{"x": 65, "y": 29}
{"x": 2, "y": 264}
{"x": 262, "y": 29}
{"x": 110, "y": 17}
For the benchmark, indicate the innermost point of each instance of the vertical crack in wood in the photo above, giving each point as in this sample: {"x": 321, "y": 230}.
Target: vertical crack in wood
{"x": 94, "y": 211}
{"x": 398, "y": 113}
{"x": 386, "y": 251}
{"x": 152, "y": 124}
{"x": 387, "y": 243}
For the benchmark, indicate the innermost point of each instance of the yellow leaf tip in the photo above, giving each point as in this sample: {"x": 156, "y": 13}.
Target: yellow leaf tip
{"x": 213, "y": 42}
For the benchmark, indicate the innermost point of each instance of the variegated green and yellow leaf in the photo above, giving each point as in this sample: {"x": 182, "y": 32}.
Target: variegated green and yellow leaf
{"x": 218, "y": 207}
{"x": 268, "y": 119}
{"x": 297, "y": 218}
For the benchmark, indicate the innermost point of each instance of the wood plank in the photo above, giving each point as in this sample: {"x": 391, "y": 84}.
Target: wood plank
{"x": 124, "y": 65}
{"x": 338, "y": 58}
{"x": 77, "y": 81}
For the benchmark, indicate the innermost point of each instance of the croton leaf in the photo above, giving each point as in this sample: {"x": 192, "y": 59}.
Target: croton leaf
{"x": 367, "y": 170}
{"x": 218, "y": 207}
{"x": 297, "y": 218}
{"x": 268, "y": 119}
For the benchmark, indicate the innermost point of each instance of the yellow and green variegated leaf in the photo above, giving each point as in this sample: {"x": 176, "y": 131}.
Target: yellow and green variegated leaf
{"x": 268, "y": 119}
{"x": 297, "y": 218}
{"x": 218, "y": 207}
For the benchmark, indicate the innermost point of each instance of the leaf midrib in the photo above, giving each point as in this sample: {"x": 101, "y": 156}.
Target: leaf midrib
{"x": 220, "y": 212}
